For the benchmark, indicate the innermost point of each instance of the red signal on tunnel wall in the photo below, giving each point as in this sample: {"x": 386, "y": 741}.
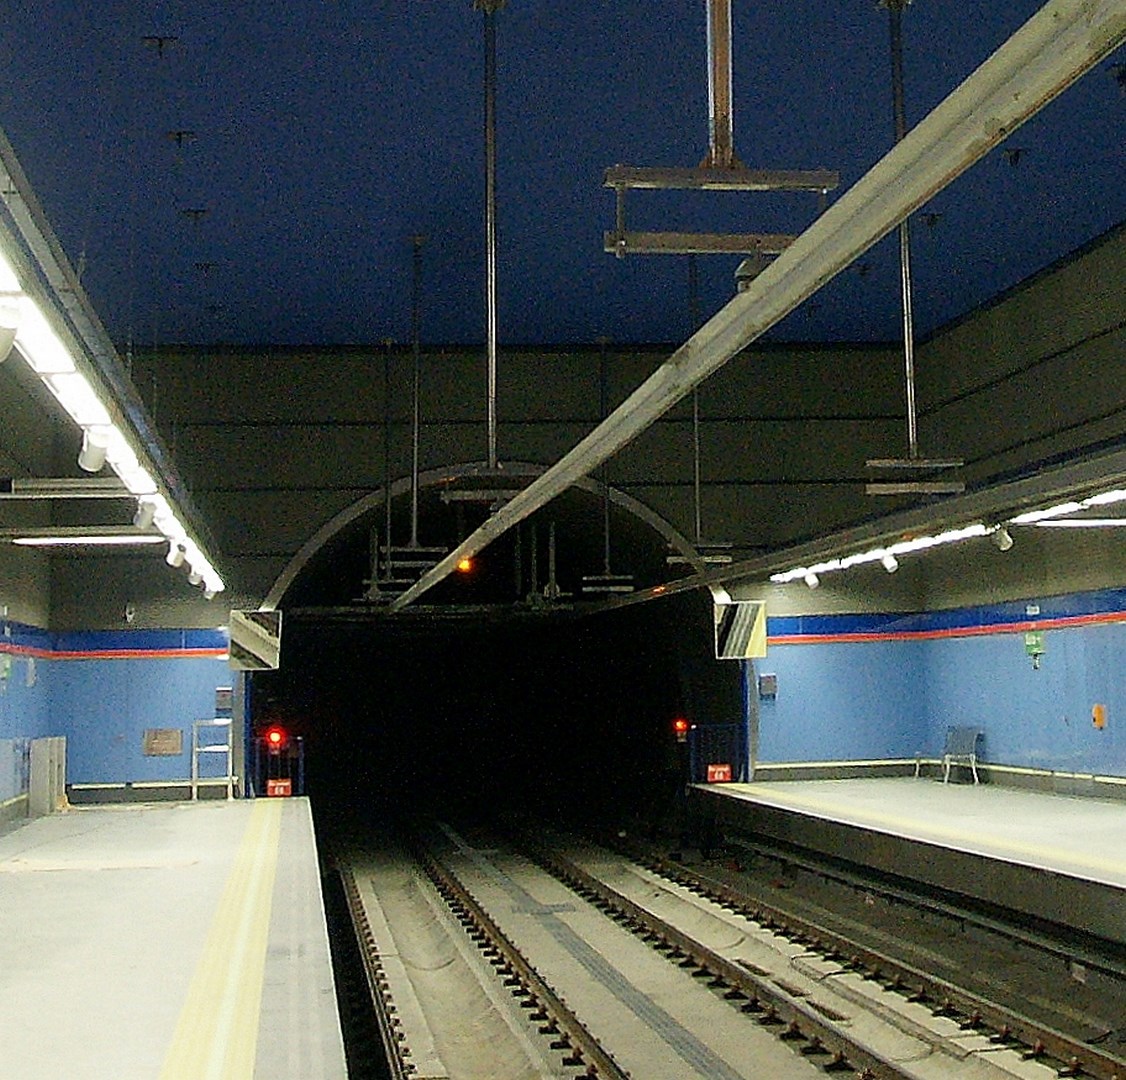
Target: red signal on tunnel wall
{"x": 680, "y": 728}
{"x": 276, "y": 737}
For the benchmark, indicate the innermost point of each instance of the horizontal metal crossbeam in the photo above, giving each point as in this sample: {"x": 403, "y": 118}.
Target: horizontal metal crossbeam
{"x": 716, "y": 178}
{"x": 690, "y": 243}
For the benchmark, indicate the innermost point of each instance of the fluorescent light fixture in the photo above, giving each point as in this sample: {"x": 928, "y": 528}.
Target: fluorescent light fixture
{"x": 78, "y": 398}
{"x": 9, "y": 283}
{"x": 108, "y": 540}
{"x": 78, "y": 535}
{"x": 10, "y": 309}
{"x": 62, "y": 366}
{"x": 1106, "y": 498}
{"x": 1083, "y": 523}
{"x": 883, "y": 555}
{"x": 1034, "y": 516}
{"x": 39, "y": 344}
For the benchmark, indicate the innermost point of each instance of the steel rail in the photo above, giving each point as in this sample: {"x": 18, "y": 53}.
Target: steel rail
{"x": 572, "y": 1036}
{"x": 777, "y": 1007}
{"x": 949, "y": 999}
{"x": 1044, "y": 57}
{"x": 382, "y": 1005}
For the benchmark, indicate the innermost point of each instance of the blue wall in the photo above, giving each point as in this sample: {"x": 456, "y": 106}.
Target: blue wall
{"x": 102, "y": 690}
{"x": 872, "y": 687}
{"x": 842, "y": 702}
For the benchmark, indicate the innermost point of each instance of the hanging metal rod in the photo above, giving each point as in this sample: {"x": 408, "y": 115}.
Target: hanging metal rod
{"x": 721, "y": 118}
{"x": 490, "y": 9}
{"x": 1044, "y": 57}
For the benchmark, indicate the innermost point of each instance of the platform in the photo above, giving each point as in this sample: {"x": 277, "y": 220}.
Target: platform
{"x": 1057, "y": 858}
{"x": 167, "y": 941}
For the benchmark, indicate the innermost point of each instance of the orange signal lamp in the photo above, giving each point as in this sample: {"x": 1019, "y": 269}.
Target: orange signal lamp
{"x": 465, "y": 565}
{"x": 680, "y": 727}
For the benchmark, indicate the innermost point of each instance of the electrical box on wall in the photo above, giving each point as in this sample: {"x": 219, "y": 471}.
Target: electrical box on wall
{"x": 768, "y": 686}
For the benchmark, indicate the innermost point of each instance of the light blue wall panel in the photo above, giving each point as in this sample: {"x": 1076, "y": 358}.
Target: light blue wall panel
{"x": 105, "y": 705}
{"x": 843, "y": 702}
{"x": 1035, "y": 718}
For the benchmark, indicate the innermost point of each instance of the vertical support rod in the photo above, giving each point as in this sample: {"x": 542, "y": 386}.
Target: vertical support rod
{"x": 721, "y": 138}
{"x": 694, "y": 316}
{"x": 895, "y": 13}
{"x": 490, "y": 8}
{"x": 387, "y": 450}
{"x": 603, "y": 412}
{"x": 416, "y": 338}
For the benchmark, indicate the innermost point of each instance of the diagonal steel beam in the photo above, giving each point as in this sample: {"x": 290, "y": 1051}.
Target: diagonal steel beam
{"x": 1044, "y": 57}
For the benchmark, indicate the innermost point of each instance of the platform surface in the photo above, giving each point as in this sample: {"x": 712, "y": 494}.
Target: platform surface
{"x": 1078, "y": 837}
{"x": 172, "y": 941}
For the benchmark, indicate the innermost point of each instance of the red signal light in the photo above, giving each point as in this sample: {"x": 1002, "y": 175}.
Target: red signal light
{"x": 680, "y": 727}
{"x": 277, "y": 738}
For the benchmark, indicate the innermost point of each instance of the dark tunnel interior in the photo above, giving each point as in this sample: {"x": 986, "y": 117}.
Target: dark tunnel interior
{"x": 539, "y": 717}
{"x": 498, "y": 694}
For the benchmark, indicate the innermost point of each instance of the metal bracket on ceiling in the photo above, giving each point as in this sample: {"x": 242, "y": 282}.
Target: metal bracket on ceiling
{"x": 721, "y": 170}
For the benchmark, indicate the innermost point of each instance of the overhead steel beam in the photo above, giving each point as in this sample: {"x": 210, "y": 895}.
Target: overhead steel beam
{"x": 1044, "y": 57}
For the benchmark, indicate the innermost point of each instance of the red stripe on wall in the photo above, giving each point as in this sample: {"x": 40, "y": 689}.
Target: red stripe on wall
{"x": 116, "y": 654}
{"x": 1023, "y": 627}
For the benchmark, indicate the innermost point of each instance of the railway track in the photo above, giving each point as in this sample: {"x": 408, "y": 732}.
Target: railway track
{"x": 1070, "y": 1054}
{"x": 587, "y": 963}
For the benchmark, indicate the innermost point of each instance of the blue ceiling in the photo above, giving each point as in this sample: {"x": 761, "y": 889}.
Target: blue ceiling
{"x": 324, "y": 133}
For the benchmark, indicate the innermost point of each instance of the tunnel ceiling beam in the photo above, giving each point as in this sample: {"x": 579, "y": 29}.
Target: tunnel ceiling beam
{"x": 1044, "y": 57}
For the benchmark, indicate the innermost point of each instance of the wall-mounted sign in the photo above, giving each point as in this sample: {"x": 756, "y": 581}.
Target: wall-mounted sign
{"x": 162, "y": 742}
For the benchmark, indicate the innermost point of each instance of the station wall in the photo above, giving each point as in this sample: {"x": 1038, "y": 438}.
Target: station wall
{"x": 877, "y": 687}
{"x": 102, "y": 690}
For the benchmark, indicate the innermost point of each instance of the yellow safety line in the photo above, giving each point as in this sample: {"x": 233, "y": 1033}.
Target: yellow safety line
{"x": 216, "y": 1037}
{"x": 924, "y": 830}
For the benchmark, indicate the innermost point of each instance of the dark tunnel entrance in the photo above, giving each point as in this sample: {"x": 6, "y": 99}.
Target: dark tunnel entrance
{"x": 491, "y": 705}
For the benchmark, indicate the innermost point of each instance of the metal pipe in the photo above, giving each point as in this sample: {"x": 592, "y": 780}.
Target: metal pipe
{"x": 416, "y": 338}
{"x": 895, "y": 15}
{"x": 490, "y": 8}
{"x": 603, "y": 406}
{"x": 721, "y": 137}
{"x": 694, "y": 315}
{"x": 1043, "y": 58}
{"x": 387, "y": 449}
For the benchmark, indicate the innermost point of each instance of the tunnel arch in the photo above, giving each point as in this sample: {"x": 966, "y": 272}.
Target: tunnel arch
{"x": 444, "y": 474}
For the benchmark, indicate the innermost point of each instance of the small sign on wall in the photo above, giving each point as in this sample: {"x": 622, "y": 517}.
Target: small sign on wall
{"x": 162, "y": 742}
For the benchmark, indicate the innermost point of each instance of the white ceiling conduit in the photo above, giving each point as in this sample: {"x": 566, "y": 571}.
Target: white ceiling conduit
{"x": 1050, "y": 52}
